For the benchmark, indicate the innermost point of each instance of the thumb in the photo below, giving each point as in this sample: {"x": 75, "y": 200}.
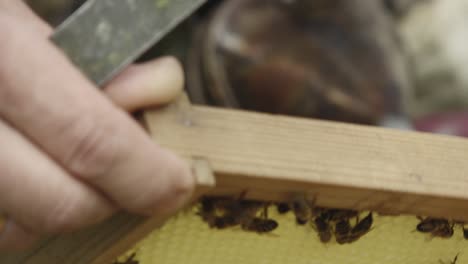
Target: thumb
{"x": 152, "y": 83}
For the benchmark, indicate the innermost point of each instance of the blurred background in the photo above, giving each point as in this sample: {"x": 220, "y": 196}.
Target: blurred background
{"x": 394, "y": 63}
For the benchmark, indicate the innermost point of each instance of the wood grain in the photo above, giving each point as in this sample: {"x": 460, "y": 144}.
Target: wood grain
{"x": 338, "y": 165}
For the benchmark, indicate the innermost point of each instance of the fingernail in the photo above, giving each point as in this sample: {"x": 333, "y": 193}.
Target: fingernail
{"x": 165, "y": 80}
{"x": 153, "y": 83}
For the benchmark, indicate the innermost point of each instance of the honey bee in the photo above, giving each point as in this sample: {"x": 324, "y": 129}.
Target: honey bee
{"x": 342, "y": 231}
{"x": 283, "y": 208}
{"x": 210, "y": 210}
{"x": 224, "y": 212}
{"x": 259, "y": 224}
{"x": 225, "y": 221}
{"x": 462, "y": 225}
{"x": 444, "y": 231}
{"x": 243, "y": 212}
{"x": 323, "y": 229}
{"x": 361, "y": 228}
{"x": 302, "y": 209}
{"x": 207, "y": 205}
{"x": 436, "y": 226}
{"x": 428, "y": 224}
{"x": 207, "y": 211}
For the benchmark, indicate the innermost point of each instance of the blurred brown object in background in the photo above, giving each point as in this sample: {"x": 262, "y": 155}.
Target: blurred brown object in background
{"x": 330, "y": 59}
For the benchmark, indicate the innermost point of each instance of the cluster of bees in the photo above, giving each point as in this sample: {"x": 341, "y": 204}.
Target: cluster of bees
{"x": 328, "y": 222}
{"x": 252, "y": 216}
{"x": 222, "y": 212}
{"x": 225, "y": 212}
{"x": 439, "y": 227}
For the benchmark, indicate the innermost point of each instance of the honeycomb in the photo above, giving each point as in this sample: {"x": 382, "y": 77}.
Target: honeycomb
{"x": 393, "y": 239}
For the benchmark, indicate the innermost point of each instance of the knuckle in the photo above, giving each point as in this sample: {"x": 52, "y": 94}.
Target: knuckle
{"x": 12, "y": 97}
{"x": 9, "y": 37}
{"x": 12, "y": 31}
{"x": 5, "y": 26}
{"x": 164, "y": 195}
{"x": 93, "y": 147}
{"x": 67, "y": 215}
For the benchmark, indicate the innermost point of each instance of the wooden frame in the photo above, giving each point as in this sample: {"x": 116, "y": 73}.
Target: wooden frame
{"x": 274, "y": 157}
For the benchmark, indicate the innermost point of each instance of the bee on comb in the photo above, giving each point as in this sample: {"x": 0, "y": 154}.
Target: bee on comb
{"x": 361, "y": 228}
{"x": 302, "y": 208}
{"x": 283, "y": 208}
{"x": 224, "y": 212}
{"x": 324, "y": 229}
{"x": 437, "y": 227}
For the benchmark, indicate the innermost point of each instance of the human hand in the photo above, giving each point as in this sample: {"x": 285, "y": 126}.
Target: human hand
{"x": 70, "y": 156}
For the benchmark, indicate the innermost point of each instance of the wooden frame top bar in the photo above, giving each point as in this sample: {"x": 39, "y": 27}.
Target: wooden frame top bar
{"x": 337, "y": 165}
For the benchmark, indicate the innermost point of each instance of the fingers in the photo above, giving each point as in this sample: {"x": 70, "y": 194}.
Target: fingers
{"x": 19, "y": 10}
{"x": 51, "y": 103}
{"x": 41, "y": 196}
{"x": 41, "y": 204}
{"x": 152, "y": 83}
